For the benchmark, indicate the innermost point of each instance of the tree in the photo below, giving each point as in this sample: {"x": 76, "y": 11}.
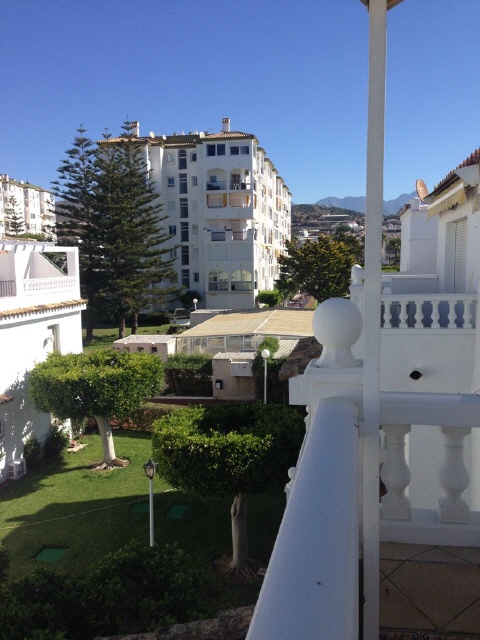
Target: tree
{"x": 81, "y": 225}
{"x": 103, "y": 384}
{"x": 238, "y": 449}
{"x": 393, "y": 246}
{"x": 15, "y": 223}
{"x": 132, "y": 253}
{"x": 321, "y": 268}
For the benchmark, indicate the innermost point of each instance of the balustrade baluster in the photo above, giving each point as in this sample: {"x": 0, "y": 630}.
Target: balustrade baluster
{"x": 452, "y": 314}
{"x": 403, "y": 315}
{"x": 453, "y": 477}
{"x": 395, "y": 474}
{"x": 387, "y": 316}
{"x": 418, "y": 313}
{"x": 435, "y": 314}
{"x": 467, "y": 314}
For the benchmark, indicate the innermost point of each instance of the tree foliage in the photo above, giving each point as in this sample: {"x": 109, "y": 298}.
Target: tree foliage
{"x": 14, "y": 220}
{"x": 113, "y": 214}
{"x": 189, "y": 374}
{"x": 101, "y": 384}
{"x": 239, "y": 450}
{"x": 321, "y": 268}
{"x": 271, "y": 298}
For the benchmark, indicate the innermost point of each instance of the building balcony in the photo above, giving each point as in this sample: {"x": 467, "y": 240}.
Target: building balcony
{"x": 231, "y": 236}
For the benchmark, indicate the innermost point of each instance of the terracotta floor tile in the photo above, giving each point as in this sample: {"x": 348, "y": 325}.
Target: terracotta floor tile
{"x": 468, "y": 621}
{"x": 397, "y": 611}
{"x": 471, "y": 554}
{"x": 399, "y": 551}
{"x": 387, "y": 567}
{"x": 440, "y": 591}
{"x": 439, "y": 555}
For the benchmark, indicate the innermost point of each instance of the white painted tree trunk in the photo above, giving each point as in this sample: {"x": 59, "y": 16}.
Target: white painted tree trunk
{"x": 106, "y": 438}
{"x": 238, "y": 514}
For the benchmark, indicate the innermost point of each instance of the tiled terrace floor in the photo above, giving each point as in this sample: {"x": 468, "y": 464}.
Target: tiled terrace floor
{"x": 429, "y": 593}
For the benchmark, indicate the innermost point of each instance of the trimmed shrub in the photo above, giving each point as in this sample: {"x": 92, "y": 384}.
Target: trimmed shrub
{"x": 189, "y": 375}
{"x": 55, "y": 443}
{"x": 32, "y": 451}
{"x": 277, "y": 390}
{"x": 271, "y": 298}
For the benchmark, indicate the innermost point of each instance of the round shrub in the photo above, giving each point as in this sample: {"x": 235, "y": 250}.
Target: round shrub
{"x": 55, "y": 443}
{"x": 32, "y": 452}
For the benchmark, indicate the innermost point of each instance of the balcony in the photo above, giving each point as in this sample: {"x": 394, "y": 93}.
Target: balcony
{"x": 230, "y": 236}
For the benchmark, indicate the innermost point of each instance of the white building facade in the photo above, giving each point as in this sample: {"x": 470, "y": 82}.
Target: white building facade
{"x": 34, "y": 205}
{"x": 228, "y": 210}
{"x": 40, "y": 312}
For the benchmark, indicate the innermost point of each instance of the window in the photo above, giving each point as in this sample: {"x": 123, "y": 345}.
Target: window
{"x": 184, "y": 232}
{"x": 172, "y": 229}
{"x": 241, "y": 280}
{"x": 215, "y": 149}
{"x": 196, "y": 277}
{"x": 195, "y": 253}
{"x": 194, "y": 181}
{"x": 193, "y": 157}
{"x": 218, "y": 281}
{"x": 236, "y": 150}
{"x": 182, "y": 159}
{"x": 183, "y": 207}
{"x": 153, "y": 350}
{"x": 185, "y": 255}
{"x": 171, "y": 182}
{"x": 183, "y": 183}
{"x": 185, "y": 278}
{"x": 194, "y": 229}
{"x": 170, "y": 157}
{"x": 172, "y": 254}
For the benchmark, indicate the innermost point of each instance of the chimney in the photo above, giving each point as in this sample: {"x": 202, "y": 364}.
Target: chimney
{"x": 225, "y": 125}
{"x": 135, "y": 128}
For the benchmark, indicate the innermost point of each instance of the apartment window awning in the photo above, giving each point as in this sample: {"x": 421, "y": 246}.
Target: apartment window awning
{"x": 453, "y": 198}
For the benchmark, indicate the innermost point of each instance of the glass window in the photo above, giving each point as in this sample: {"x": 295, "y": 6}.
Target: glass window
{"x": 184, "y": 232}
{"x": 196, "y": 276}
{"x": 171, "y": 182}
{"x": 194, "y": 181}
{"x": 245, "y": 150}
{"x": 185, "y": 278}
{"x": 193, "y": 157}
{"x": 235, "y": 151}
{"x": 183, "y": 182}
{"x": 241, "y": 280}
{"x": 220, "y": 149}
{"x": 218, "y": 281}
{"x": 195, "y": 253}
{"x": 183, "y": 207}
{"x": 185, "y": 255}
{"x": 210, "y": 149}
{"x": 194, "y": 229}
{"x": 172, "y": 229}
{"x": 170, "y": 157}
{"x": 182, "y": 159}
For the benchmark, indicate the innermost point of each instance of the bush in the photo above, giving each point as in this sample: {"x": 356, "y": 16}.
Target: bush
{"x": 189, "y": 375}
{"x": 55, "y": 443}
{"x": 277, "y": 390}
{"x": 144, "y": 417}
{"x": 271, "y": 298}
{"x": 32, "y": 452}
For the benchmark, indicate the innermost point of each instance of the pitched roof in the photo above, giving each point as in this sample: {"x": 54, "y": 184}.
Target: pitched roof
{"x": 473, "y": 158}
{"x": 40, "y": 308}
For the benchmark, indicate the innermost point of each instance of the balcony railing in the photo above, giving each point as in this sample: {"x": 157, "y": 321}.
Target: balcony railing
{"x": 216, "y": 186}
{"x": 235, "y": 186}
{"x": 43, "y": 285}
{"x": 239, "y": 285}
{"x": 7, "y": 288}
{"x": 218, "y": 236}
{"x": 429, "y": 311}
{"x": 221, "y": 236}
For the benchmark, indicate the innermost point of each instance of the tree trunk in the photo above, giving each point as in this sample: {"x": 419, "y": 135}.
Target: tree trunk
{"x": 238, "y": 512}
{"x": 121, "y": 327}
{"x": 134, "y": 323}
{"x": 88, "y": 325}
{"x": 109, "y": 456}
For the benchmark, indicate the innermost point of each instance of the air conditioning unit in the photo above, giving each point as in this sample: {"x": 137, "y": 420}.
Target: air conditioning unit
{"x": 16, "y": 469}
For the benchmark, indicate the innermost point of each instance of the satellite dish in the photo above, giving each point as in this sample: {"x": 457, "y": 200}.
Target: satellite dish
{"x": 422, "y": 190}
{"x": 152, "y": 135}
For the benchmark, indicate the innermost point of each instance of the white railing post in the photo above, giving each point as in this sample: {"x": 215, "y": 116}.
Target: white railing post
{"x": 395, "y": 474}
{"x": 453, "y": 477}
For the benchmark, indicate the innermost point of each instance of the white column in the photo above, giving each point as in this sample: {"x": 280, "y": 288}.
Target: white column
{"x": 373, "y": 266}
{"x": 453, "y": 477}
{"x": 396, "y": 474}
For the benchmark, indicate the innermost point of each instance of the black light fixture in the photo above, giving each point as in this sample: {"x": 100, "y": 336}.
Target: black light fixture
{"x": 415, "y": 375}
{"x": 150, "y": 468}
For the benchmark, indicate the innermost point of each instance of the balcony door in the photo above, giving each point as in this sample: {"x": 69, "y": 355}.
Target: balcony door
{"x": 460, "y": 256}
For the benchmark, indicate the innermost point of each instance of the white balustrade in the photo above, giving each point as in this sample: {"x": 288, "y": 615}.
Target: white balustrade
{"x": 431, "y": 311}
{"x": 43, "y": 285}
{"x": 453, "y": 477}
{"x": 395, "y": 474}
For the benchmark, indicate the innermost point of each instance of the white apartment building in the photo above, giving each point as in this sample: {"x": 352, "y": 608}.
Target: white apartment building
{"x": 228, "y": 210}
{"x": 35, "y": 205}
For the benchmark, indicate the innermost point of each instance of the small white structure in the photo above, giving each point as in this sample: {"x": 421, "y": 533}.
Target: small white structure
{"x": 40, "y": 312}
{"x": 163, "y": 346}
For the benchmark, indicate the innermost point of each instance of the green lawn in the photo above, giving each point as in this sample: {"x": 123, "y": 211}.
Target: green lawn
{"x": 105, "y": 336}
{"x": 66, "y": 505}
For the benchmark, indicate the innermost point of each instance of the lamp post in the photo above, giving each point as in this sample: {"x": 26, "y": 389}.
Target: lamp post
{"x": 150, "y": 468}
{"x": 195, "y": 303}
{"x": 265, "y": 356}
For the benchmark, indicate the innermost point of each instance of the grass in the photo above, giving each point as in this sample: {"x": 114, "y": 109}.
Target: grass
{"x": 105, "y": 336}
{"x": 65, "y": 505}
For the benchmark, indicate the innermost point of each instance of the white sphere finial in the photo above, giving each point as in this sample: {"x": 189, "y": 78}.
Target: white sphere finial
{"x": 337, "y": 325}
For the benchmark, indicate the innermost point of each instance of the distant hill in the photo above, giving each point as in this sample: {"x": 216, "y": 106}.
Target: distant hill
{"x": 358, "y": 204}
{"x": 308, "y": 215}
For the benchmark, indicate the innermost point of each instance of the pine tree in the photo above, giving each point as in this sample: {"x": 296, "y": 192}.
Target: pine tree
{"x": 132, "y": 253}
{"x": 79, "y": 223}
{"x": 14, "y": 221}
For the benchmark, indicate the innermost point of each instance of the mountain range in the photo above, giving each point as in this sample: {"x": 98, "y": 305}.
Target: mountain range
{"x": 390, "y": 207}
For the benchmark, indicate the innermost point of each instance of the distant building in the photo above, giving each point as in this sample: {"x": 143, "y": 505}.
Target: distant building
{"x": 34, "y": 205}
{"x": 229, "y": 212}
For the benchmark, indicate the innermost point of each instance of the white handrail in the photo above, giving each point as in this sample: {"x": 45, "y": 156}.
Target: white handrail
{"x": 311, "y": 585}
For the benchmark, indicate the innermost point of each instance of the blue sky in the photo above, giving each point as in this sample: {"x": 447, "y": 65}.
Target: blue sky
{"x": 293, "y": 72}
